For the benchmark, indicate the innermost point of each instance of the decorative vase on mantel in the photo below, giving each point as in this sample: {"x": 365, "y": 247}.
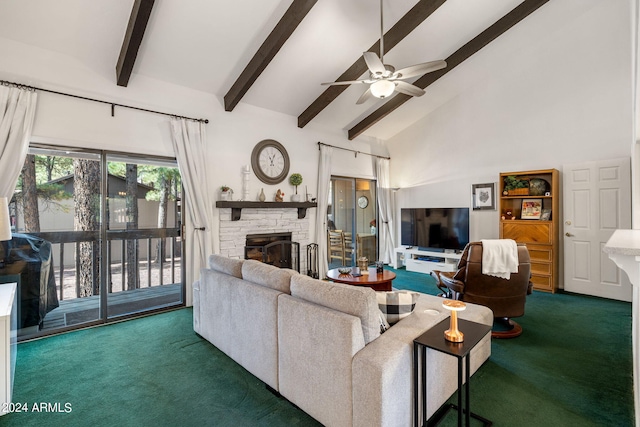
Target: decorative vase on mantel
{"x": 262, "y": 197}
{"x": 295, "y": 197}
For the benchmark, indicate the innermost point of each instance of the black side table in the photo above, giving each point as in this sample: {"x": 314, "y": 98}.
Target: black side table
{"x": 434, "y": 339}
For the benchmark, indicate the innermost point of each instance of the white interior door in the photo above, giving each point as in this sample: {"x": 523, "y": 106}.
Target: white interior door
{"x": 597, "y": 201}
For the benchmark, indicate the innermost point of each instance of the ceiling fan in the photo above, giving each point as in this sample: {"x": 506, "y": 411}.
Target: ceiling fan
{"x": 384, "y": 79}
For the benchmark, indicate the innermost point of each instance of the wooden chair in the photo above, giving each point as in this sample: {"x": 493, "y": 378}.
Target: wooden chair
{"x": 348, "y": 248}
{"x": 335, "y": 245}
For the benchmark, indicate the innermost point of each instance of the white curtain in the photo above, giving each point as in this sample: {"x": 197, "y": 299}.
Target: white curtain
{"x": 17, "y": 110}
{"x": 385, "y": 210}
{"x": 324, "y": 178}
{"x": 189, "y": 140}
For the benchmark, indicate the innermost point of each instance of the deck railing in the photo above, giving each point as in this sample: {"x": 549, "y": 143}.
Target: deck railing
{"x": 61, "y": 240}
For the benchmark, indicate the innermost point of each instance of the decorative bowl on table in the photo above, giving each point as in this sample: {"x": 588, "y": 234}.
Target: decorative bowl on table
{"x": 344, "y": 270}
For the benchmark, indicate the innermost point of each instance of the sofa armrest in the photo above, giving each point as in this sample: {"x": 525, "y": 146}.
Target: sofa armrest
{"x": 382, "y": 377}
{"x": 383, "y": 370}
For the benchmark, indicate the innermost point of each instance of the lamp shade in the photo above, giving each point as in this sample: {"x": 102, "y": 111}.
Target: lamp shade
{"x": 5, "y": 221}
{"x": 382, "y": 88}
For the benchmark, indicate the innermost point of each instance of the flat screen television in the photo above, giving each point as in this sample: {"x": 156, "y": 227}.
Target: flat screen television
{"x": 435, "y": 229}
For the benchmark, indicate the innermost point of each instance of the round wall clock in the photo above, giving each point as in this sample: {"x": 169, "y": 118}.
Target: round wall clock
{"x": 363, "y": 202}
{"x": 270, "y": 161}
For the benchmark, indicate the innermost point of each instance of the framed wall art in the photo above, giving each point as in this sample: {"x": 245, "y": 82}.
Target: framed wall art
{"x": 484, "y": 196}
{"x": 546, "y": 215}
{"x": 531, "y": 209}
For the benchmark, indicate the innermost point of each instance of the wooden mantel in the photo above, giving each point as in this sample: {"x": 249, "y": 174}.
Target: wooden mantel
{"x": 236, "y": 207}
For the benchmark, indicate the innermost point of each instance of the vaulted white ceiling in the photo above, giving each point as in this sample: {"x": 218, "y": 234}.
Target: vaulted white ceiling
{"x": 205, "y": 45}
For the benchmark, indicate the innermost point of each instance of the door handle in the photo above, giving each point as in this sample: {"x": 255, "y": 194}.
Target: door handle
{"x": 568, "y": 234}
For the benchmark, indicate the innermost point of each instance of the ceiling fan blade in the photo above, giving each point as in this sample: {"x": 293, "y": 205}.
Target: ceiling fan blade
{"x": 346, "y": 82}
{"x": 420, "y": 69}
{"x": 365, "y": 97}
{"x": 374, "y": 63}
{"x": 408, "y": 89}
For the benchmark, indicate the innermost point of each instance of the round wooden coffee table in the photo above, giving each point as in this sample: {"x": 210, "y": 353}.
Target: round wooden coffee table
{"x": 378, "y": 282}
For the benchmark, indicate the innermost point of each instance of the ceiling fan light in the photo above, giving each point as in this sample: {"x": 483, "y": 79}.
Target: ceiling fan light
{"x": 382, "y": 88}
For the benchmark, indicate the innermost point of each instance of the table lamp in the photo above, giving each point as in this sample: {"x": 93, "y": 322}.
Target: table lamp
{"x": 453, "y": 334}
{"x": 5, "y": 227}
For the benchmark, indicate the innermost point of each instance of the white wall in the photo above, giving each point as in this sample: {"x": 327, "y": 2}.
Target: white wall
{"x": 556, "y": 90}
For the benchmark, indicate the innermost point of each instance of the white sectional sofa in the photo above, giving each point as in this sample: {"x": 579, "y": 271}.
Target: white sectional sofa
{"x": 319, "y": 344}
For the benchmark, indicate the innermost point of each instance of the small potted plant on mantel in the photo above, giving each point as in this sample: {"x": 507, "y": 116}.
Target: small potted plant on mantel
{"x": 225, "y": 192}
{"x": 295, "y": 179}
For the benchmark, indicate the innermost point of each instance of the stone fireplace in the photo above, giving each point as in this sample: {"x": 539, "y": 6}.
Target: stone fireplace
{"x": 259, "y": 221}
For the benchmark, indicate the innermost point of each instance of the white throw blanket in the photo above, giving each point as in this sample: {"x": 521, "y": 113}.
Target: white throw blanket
{"x": 499, "y": 257}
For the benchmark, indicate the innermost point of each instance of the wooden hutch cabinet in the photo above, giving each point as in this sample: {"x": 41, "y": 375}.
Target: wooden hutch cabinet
{"x": 531, "y": 215}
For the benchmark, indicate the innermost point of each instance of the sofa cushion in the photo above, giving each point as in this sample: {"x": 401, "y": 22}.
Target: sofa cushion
{"x": 230, "y": 266}
{"x": 267, "y": 275}
{"x": 396, "y": 305}
{"x": 354, "y": 300}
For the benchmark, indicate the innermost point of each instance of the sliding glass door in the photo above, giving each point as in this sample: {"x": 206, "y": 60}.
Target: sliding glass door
{"x": 55, "y": 251}
{"x": 143, "y": 235}
{"x": 352, "y": 220}
{"x": 96, "y": 236}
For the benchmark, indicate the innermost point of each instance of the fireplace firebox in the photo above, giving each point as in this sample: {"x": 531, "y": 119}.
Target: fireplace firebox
{"x": 276, "y": 249}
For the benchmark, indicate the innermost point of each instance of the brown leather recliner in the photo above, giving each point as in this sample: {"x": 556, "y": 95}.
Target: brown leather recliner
{"x": 506, "y": 298}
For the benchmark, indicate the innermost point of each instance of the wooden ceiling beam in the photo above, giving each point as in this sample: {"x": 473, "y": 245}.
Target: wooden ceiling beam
{"x": 520, "y": 12}
{"x": 133, "y": 37}
{"x": 270, "y": 47}
{"x": 409, "y": 22}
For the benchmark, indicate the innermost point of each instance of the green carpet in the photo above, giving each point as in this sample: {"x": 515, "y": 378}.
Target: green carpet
{"x": 153, "y": 371}
{"x": 570, "y": 367}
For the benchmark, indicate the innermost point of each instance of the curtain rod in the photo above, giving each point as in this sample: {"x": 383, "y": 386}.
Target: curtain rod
{"x": 113, "y": 104}
{"x": 353, "y": 151}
